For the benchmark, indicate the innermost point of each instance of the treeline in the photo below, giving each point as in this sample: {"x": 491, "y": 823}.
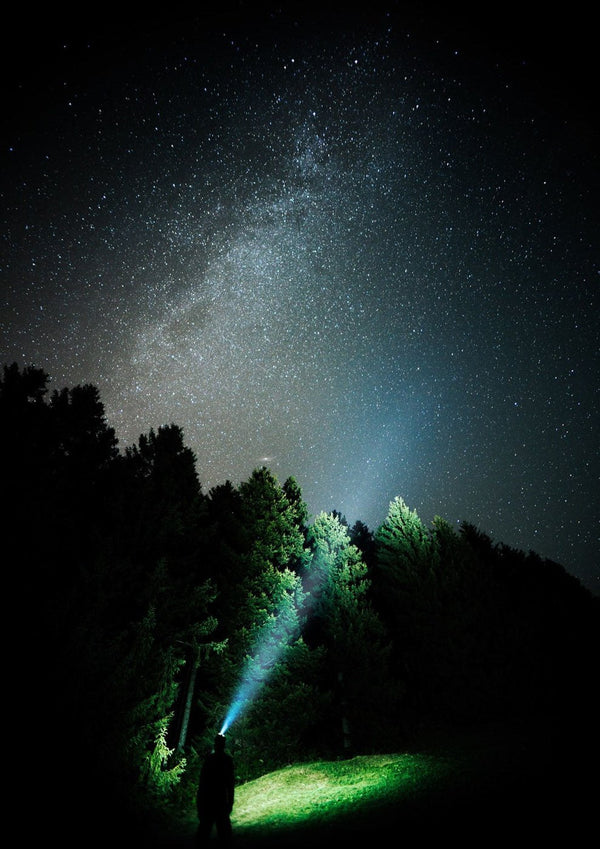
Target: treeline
{"x": 141, "y": 603}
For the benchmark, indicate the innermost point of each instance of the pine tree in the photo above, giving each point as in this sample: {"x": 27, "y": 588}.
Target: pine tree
{"x": 262, "y": 599}
{"x": 342, "y": 619}
{"x": 161, "y": 504}
{"x": 406, "y": 595}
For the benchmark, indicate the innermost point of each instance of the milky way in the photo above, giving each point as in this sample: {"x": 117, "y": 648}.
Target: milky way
{"x": 360, "y": 257}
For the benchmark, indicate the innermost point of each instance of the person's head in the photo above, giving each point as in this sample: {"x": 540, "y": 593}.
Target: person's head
{"x": 219, "y": 743}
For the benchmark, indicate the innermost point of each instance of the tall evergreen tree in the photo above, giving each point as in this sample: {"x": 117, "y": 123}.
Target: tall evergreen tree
{"x": 405, "y": 548}
{"x": 343, "y": 621}
{"x": 406, "y": 595}
{"x": 275, "y": 543}
{"x": 362, "y": 537}
{"x": 26, "y": 456}
{"x": 273, "y": 516}
{"x": 162, "y": 504}
{"x": 264, "y": 631}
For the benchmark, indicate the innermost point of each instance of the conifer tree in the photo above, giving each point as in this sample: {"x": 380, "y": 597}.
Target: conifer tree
{"x": 263, "y": 600}
{"x": 342, "y": 619}
{"x": 406, "y": 595}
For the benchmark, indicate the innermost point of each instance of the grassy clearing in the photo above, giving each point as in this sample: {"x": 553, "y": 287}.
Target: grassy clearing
{"x": 324, "y": 792}
{"x": 491, "y": 784}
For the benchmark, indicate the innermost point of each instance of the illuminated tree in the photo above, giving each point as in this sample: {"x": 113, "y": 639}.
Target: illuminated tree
{"x": 273, "y": 545}
{"x": 405, "y": 548}
{"x": 259, "y": 604}
{"x": 251, "y": 534}
{"x": 273, "y": 517}
{"x": 406, "y": 595}
{"x": 342, "y": 619}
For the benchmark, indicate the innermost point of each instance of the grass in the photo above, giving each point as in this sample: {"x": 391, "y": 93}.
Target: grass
{"x": 322, "y": 793}
{"x": 492, "y": 785}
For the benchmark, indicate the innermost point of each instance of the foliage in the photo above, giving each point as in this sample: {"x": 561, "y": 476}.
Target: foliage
{"x": 342, "y": 620}
{"x": 158, "y": 776}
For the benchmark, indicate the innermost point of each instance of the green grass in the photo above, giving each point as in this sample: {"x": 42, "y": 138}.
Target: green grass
{"x": 323, "y": 797}
{"x": 324, "y": 792}
{"x": 493, "y": 783}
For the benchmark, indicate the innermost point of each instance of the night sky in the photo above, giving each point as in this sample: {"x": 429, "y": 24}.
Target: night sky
{"x": 360, "y": 250}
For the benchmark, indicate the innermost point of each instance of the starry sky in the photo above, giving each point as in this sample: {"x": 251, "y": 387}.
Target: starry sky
{"x": 360, "y": 249}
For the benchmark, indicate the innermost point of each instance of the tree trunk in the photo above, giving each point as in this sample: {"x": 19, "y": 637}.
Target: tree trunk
{"x": 188, "y": 702}
{"x": 346, "y": 737}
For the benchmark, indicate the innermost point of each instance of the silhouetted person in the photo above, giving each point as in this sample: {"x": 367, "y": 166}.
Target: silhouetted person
{"x": 214, "y": 800}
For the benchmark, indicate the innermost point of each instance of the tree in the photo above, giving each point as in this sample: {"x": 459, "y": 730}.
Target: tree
{"x": 457, "y": 662}
{"x": 406, "y": 595}
{"x": 405, "y": 548}
{"x": 84, "y": 450}
{"x": 26, "y": 455}
{"x": 161, "y": 508}
{"x": 364, "y": 540}
{"x": 106, "y": 616}
{"x": 84, "y": 440}
{"x": 293, "y": 494}
{"x": 55, "y": 460}
{"x": 129, "y": 675}
{"x": 262, "y": 603}
{"x": 274, "y": 546}
{"x": 273, "y": 517}
{"x": 342, "y": 620}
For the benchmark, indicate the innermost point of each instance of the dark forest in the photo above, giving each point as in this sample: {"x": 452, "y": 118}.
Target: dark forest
{"x": 140, "y": 600}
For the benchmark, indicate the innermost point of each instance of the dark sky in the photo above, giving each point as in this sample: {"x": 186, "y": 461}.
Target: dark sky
{"x": 359, "y": 249}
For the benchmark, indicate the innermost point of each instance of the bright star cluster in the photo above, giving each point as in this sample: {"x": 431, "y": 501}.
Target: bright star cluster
{"x": 366, "y": 258}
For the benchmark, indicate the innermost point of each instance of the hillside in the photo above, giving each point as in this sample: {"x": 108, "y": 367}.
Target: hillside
{"x": 483, "y": 787}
